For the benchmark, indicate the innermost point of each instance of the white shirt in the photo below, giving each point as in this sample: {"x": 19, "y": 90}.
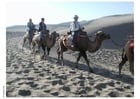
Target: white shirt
{"x": 75, "y": 26}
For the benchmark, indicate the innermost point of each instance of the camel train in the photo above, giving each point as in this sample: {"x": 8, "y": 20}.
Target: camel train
{"x": 128, "y": 55}
{"x": 83, "y": 45}
{"x": 34, "y": 40}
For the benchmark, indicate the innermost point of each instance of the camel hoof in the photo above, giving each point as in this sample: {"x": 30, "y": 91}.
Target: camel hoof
{"x": 92, "y": 71}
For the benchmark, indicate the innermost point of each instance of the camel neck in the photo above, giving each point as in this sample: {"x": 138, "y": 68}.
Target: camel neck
{"x": 94, "y": 45}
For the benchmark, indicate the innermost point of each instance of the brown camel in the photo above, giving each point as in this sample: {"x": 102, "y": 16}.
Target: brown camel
{"x": 28, "y": 37}
{"x": 82, "y": 46}
{"x": 46, "y": 41}
{"x": 128, "y": 55}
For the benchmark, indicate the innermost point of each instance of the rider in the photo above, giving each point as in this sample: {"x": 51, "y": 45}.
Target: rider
{"x": 74, "y": 29}
{"x": 31, "y": 27}
{"x": 42, "y": 27}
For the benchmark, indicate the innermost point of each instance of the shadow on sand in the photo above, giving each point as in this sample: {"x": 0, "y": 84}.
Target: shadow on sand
{"x": 98, "y": 71}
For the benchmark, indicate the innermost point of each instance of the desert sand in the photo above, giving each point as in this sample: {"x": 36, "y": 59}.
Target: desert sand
{"x": 28, "y": 76}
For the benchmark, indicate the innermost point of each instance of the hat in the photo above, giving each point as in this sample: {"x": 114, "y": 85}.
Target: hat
{"x": 75, "y": 16}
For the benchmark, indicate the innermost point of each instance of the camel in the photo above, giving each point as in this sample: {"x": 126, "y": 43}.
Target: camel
{"x": 128, "y": 55}
{"x": 83, "y": 45}
{"x": 29, "y": 38}
{"x": 47, "y": 41}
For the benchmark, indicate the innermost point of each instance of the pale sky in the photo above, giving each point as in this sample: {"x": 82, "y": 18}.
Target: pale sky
{"x": 18, "y": 12}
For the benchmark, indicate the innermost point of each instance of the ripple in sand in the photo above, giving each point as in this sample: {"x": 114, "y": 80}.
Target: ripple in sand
{"x": 100, "y": 86}
{"x": 41, "y": 74}
{"x": 47, "y": 91}
{"x": 129, "y": 95}
{"x": 82, "y": 91}
{"x": 26, "y": 71}
{"x": 55, "y": 93}
{"x": 55, "y": 82}
{"x": 66, "y": 88}
{"x": 62, "y": 77}
{"x": 120, "y": 89}
{"x": 111, "y": 84}
{"x": 113, "y": 94}
{"x": 30, "y": 78}
{"x": 127, "y": 87}
{"x": 18, "y": 72}
{"x": 34, "y": 85}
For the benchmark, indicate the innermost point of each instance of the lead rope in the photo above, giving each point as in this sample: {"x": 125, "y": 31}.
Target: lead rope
{"x": 120, "y": 45}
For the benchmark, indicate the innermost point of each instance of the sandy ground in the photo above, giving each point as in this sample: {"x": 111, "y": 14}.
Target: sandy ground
{"x": 27, "y": 76}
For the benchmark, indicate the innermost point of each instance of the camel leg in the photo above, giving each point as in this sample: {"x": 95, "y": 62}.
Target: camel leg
{"x": 30, "y": 40}
{"x": 48, "y": 50}
{"x": 122, "y": 63}
{"x": 58, "y": 53}
{"x": 33, "y": 48}
{"x": 131, "y": 67}
{"x": 38, "y": 46}
{"x": 62, "y": 61}
{"x": 30, "y": 45}
{"x": 87, "y": 61}
{"x": 24, "y": 40}
{"x": 131, "y": 64}
{"x": 78, "y": 58}
{"x": 44, "y": 52}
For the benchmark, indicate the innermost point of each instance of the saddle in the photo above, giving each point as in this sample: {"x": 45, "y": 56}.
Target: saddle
{"x": 68, "y": 38}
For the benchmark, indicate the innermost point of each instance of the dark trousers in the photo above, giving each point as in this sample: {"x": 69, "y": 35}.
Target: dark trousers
{"x": 30, "y": 33}
{"x": 44, "y": 33}
{"x": 75, "y": 36}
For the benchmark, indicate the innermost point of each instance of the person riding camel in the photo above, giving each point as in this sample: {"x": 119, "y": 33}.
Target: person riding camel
{"x": 31, "y": 27}
{"x": 42, "y": 27}
{"x": 74, "y": 29}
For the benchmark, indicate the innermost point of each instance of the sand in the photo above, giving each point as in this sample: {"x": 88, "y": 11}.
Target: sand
{"x": 28, "y": 76}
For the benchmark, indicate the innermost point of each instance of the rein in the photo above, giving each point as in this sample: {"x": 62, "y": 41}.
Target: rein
{"x": 115, "y": 43}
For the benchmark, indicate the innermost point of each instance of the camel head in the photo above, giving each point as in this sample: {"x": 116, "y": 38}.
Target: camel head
{"x": 100, "y": 35}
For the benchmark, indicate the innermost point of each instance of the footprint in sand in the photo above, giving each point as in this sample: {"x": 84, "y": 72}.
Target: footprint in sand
{"x": 24, "y": 92}
{"x": 113, "y": 94}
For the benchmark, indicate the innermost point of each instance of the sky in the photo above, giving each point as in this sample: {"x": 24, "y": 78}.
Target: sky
{"x": 18, "y": 12}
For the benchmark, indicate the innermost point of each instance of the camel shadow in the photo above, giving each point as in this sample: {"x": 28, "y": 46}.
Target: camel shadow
{"x": 97, "y": 70}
